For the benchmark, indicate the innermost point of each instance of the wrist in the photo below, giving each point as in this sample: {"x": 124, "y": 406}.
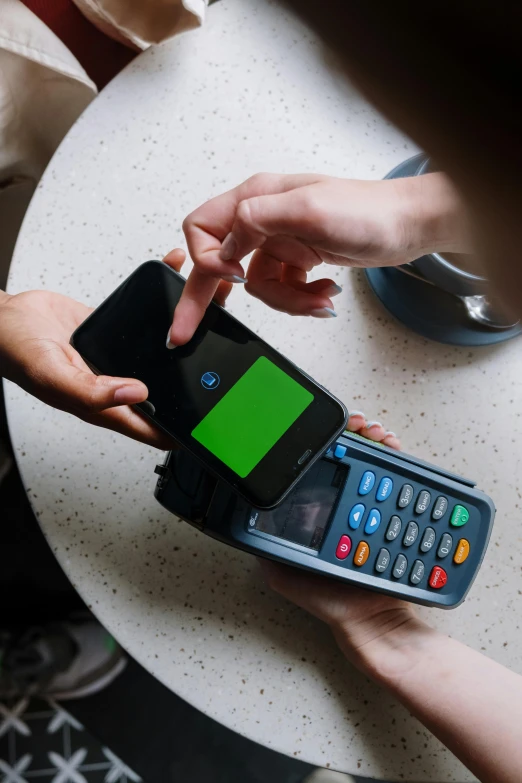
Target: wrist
{"x": 433, "y": 216}
{"x": 395, "y": 643}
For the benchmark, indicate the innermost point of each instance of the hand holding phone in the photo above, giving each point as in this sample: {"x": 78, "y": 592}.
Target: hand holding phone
{"x": 242, "y": 409}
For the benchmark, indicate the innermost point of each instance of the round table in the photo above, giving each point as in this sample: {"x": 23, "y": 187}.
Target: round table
{"x": 251, "y": 91}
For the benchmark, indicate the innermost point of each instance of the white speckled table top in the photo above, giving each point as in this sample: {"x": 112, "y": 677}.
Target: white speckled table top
{"x": 251, "y": 91}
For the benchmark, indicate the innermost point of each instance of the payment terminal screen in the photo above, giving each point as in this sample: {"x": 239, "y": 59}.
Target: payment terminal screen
{"x": 252, "y": 416}
{"x": 304, "y": 516}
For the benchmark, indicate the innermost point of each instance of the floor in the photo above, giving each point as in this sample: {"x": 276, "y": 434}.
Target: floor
{"x": 161, "y": 739}
{"x": 43, "y": 741}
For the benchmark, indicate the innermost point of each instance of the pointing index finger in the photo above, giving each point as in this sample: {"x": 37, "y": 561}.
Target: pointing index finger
{"x": 198, "y": 293}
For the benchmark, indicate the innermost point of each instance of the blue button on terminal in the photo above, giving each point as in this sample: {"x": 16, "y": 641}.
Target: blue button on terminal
{"x": 373, "y": 522}
{"x": 339, "y": 451}
{"x": 384, "y": 489}
{"x": 355, "y": 516}
{"x": 367, "y": 482}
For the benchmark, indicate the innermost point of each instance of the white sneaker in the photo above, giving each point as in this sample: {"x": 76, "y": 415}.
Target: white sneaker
{"x": 59, "y": 661}
{"x": 328, "y": 776}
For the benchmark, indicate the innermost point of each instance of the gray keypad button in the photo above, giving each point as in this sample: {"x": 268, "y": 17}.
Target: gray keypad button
{"x": 400, "y": 566}
{"x": 428, "y": 539}
{"x": 423, "y": 501}
{"x": 405, "y": 496}
{"x": 417, "y": 572}
{"x": 440, "y": 507}
{"x": 383, "y": 560}
{"x": 446, "y": 542}
{"x": 410, "y": 536}
{"x": 394, "y": 528}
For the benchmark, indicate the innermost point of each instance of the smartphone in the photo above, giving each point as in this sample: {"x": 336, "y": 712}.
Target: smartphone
{"x": 250, "y": 416}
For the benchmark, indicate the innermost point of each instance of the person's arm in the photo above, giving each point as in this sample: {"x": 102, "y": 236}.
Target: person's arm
{"x": 472, "y": 704}
{"x": 297, "y": 222}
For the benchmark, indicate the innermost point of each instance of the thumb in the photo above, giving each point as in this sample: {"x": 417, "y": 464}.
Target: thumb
{"x": 84, "y": 394}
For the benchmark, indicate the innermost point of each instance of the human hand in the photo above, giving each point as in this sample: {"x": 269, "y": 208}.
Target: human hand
{"x": 296, "y": 222}
{"x": 35, "y": 329}
{"x": 370, "y": 628}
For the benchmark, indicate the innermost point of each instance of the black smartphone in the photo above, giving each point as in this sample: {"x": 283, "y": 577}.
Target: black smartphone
{"x": 245, "y": 412}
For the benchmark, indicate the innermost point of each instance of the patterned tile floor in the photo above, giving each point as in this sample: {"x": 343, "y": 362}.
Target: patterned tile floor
{"x": 41, "y": 741}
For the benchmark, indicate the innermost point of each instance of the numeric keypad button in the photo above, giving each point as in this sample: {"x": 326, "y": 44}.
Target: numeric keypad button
{"x": 428, "y": 539}
{"x": 383, "y": 561}
{"x": 405, "y": 496}
{"x": 440, "y": 507}
{"x": 423, "y": 501}
{"x": 417, "y": 572}
{"x": 394, "y": 528}
{"x": 400, "y": 566}
{"x": 410, "y": 536}
{"x": 445, "y": 545}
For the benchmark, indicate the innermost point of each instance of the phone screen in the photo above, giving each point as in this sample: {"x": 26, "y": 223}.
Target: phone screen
{"x": 241, "y": 408}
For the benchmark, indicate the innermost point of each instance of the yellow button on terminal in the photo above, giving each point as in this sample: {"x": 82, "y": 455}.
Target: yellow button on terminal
{"x": 461, "y": 552}
{"x": 361, "y": 554}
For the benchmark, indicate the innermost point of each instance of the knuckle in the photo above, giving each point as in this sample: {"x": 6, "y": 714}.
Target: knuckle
{"x": 245, "y": 213}
{"x": 259, "y": 181}
{"x": 187, "y": 224}
{"x": 312, "y": 209}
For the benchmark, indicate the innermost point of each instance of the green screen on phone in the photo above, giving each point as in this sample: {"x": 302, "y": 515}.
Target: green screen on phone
{"x": 244, "y": 425}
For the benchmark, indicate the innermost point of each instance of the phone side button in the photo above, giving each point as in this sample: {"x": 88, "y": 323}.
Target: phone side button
{"x": 304, "y": 457}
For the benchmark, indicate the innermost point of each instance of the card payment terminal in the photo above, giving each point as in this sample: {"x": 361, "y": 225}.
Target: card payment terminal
{"x": 363, "y": 514}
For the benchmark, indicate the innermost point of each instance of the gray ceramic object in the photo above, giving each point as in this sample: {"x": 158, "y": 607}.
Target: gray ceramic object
{"x": 423, "y": 306}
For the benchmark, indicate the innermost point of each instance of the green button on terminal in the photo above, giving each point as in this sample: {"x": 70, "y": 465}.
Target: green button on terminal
{"x": 459, "y": 516}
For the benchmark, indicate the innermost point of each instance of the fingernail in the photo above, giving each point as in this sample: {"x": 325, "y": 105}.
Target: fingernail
{"x": 169, "y": 345}
{"x": 126, "y": 395}
{"x": 373, "y": 424}
{"x": 393, "y": 435}
{"x": 233, "y": 278}
{"x": 324, "y": 312}
{"x": 228, "y": 248}
{"x": 333, "y": 290}
{"x": 356, "y": 413}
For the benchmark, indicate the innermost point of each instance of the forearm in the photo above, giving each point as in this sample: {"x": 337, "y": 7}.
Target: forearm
{"x": 471, "y": 703}
{"x": 4, "y": 298}
{"x": 435, "y": 218}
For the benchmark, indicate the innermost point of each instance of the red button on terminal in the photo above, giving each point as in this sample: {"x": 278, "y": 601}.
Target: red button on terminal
{"x": 438, "y": 577}
{"x": 343, "y": 547}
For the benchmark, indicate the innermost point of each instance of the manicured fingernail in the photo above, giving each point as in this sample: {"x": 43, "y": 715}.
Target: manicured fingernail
{"x": 332, "y": 290}
{"x": 356, "y": 413}
{"x": 390, "y": 434}
{"x": 324, "y": 312}
{"x": 234, "y": 278}
{"x": 126, "y": 395}
{"x": 169, "y": 345}
{"x": 228, "y": 248}
{"x": 373, "y": 424}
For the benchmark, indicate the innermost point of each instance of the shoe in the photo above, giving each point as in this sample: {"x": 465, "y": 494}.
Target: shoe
{"x": 328, "y": 776}
{"x": 59, "y": 661}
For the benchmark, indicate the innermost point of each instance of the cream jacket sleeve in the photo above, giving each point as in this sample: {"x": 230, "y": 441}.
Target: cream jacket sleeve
{"x": 140, "y": 23}
{"x": 44, "y": 89}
